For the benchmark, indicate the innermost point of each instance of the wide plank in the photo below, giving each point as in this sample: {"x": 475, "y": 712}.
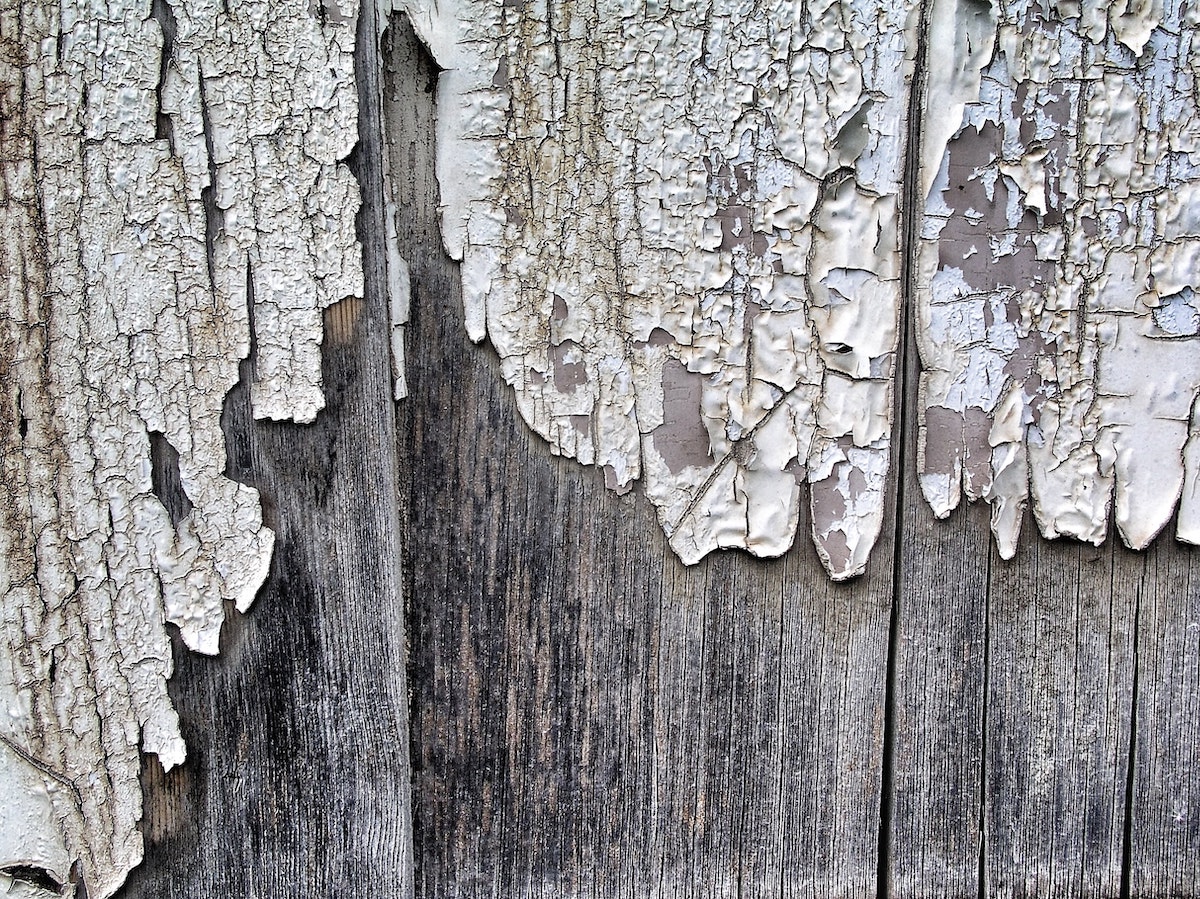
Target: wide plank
{"x": 590, "y": 717}
{"x": 297, "y": 781}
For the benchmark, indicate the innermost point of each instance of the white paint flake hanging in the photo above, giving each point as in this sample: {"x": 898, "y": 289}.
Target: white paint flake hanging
{"x": 678, "y": 227}
{"x": 1057, "y": 312}
{"x": 170, "y": 174}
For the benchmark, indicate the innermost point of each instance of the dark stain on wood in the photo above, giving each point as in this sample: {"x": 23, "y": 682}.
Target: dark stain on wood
{"x": 297, "y": 778}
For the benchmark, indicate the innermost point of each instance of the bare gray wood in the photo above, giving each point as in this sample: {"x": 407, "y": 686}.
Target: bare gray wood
{"x": 936, "y": 754}
{"x": 1012, "y": 701}
{"x": 1164, "y": 828}
{"x": 1058, "y": 704}
{"x": 297, "y": 780}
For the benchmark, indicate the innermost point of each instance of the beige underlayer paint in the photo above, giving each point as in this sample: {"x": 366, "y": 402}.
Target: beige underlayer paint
{"x": 1057, "y": 309}
{"x": 678, "y": 226}
{"x": 171, "y": 198}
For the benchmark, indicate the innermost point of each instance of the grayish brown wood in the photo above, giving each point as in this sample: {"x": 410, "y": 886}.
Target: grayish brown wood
{"x": 590, "y": 717}
{"x": 1041, "y": 810}
{"x": 1058, "y": 704}
{"x": 1164, "y": 839}
{"x": 1012, "y": 709}
{"x": 937, "y": 754}
{"x": 933, "y": 788}
{"x": 1014, "y": 687}
{"x": 593, "y": 719}
{"x": 297, "y": 781}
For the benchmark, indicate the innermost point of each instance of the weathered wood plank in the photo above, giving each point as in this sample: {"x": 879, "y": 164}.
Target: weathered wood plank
{"x": 940, "y": 658}
{"x": 1057, "y": 673}
{"x": 298, "y": 776}
{"x": 1059, "y": 697}
{"x": 590, "y": 717}
{"x": 1164, "y": 823}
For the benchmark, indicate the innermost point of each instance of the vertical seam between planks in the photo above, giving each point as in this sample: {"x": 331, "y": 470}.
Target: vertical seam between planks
{"x": 370, "y": 69}
{"x": 983, "y": 728}
{"x": 911, "y": 206}
{"x": 1131, "y": 758}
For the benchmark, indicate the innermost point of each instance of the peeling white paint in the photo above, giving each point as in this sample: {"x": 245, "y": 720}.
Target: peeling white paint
{"x": 171, "y": 174}
{"x": 1057, "y": 275}
{"x": 29, "y": 833}
{"x": 678, "y": 227}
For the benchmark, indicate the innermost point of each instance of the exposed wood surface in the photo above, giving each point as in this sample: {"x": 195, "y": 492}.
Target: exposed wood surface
{"x": 1164, "y": 841}
{"x": 591, "y": 718}
{"x": 1057, "y": 704}
{"x": 298, "y": 776}
{"x": 936, "y": 749}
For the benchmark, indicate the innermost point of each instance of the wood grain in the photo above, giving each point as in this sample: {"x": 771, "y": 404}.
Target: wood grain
{"x": 590, "y": 718}
{"x": 1059, "y": 698}
{"x": 936, "y": 764}
{"x": 297, "y": 780}
{"x": 1163, "y": 841}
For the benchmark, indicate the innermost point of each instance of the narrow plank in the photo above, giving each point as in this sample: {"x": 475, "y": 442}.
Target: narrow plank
{"x": 590, "y": 718}
{"x": 937, "y": 751}
{"x": 1164, "y": 823}
{"x": 1060, "y": 678}
{"x": 298, "y": 775}
{"x": 933, "y": 827}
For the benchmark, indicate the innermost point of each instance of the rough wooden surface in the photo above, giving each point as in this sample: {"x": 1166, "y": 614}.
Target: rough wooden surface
{"x": 1164, "y": 836}
{"x": 589, "y": 718}
{"x": 297, "y": 778}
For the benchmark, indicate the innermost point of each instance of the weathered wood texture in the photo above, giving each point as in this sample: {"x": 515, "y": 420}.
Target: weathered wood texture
{"x": 297, "y": 781}
{"x": 1016, "y": 686}
{"x": 591, "y": 718}
{"x": 1013, "y": 696}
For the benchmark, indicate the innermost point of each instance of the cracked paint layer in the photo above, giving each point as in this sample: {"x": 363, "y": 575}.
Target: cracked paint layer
{"x": 678, "y": 226}
{"x": 1057, "y": 314}
{"x": 172, "y": 201}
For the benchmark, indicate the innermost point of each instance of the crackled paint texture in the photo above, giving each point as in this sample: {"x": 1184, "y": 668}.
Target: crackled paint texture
{"x": 171, "y": 198}
{"x": 1058, "y": 310}
{"x": 678, "y": 226}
